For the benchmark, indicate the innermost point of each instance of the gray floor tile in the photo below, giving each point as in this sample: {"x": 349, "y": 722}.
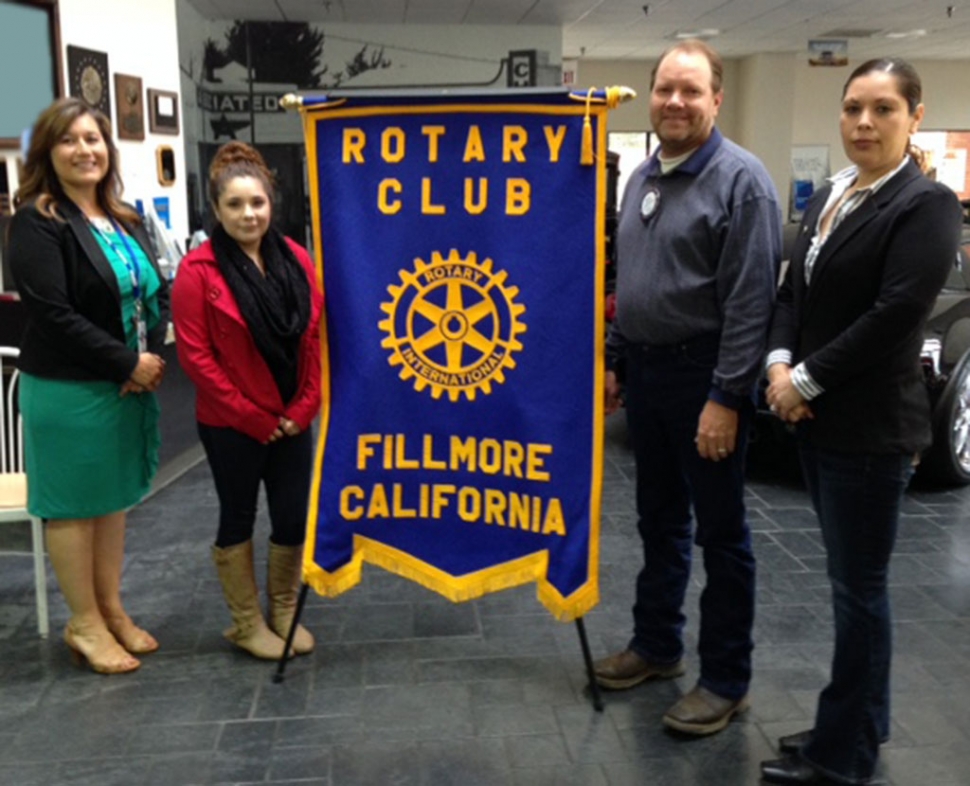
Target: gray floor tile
{"x": 527, "y": 750}
{"x": 299, "y": 763}
{"x": 370, "y": 762}
{"x": 407, "y": 688}
{"x": 475, "y": 762}
{"x": 504, "y": 721}
{"x": 186, "y": 738}
{"x": 656, "y": 772}
{"x": 39, "y": 774}
{"x": 119, "y": 771}
{"x": 941, "y": 765}
{"x": 561, "y": 775}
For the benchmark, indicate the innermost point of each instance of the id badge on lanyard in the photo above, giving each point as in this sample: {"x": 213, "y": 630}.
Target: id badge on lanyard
{"x": 141, "y": 326}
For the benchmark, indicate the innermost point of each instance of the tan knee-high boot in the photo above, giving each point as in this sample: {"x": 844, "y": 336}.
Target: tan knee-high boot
{"x": 249, "y": 631}
{"x": 282, "y": 583}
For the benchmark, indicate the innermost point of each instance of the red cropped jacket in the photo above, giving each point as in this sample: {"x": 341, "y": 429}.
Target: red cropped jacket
{"x": 234, "y": 386}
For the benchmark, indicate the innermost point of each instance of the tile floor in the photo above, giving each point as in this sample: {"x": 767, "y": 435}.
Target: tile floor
{"x": 406, "y": 688}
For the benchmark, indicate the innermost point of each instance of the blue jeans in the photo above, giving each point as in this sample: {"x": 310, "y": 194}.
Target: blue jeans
{"x": 857, "y": 500}
{"x": 667, "y": 387}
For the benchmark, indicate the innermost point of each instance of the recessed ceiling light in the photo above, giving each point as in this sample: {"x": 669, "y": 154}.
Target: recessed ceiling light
{"x": 906, "y": 34}
{"x": 706, "y": 32}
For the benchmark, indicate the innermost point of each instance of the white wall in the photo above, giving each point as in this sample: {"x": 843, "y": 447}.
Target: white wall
{"x": 141, "y": 40}
{"x": 772, "y": 102}
{"x": 767, "y": 94}
{"x": 946, "y": 95}
{"x": 635, "y": 115}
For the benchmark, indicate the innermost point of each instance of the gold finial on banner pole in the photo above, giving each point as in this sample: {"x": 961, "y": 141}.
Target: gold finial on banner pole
{"x": 625, "y": 94}
{"x": 618, "y": 94}
{"x": 291, "y": 101}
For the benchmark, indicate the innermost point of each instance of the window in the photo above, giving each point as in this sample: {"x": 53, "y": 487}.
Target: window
{"x": 29, "y": 72}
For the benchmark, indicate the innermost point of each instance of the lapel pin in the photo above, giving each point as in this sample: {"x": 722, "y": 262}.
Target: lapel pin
{"x": 649, "y": 204}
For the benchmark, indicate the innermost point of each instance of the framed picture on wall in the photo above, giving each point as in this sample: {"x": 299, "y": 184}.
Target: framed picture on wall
{"x": 129, "y": 107}
{"x": 87, "y": 72}
{"x": 163, "y": 111}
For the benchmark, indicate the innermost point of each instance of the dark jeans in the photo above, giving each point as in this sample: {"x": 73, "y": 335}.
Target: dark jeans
{"x": 857, "y": 500}
{"x": 667, "y": 388}
{"x": 239, "y": 463}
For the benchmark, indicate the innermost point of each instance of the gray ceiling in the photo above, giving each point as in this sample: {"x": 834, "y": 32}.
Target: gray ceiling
{"x": 615, "y": 29}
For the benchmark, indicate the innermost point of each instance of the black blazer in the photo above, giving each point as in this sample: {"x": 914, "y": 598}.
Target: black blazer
{"x": 71, "y": 298}
{"x": 858, "y": 326}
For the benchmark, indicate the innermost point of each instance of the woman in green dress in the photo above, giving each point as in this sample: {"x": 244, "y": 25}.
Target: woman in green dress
{"x": 97, "y": 311}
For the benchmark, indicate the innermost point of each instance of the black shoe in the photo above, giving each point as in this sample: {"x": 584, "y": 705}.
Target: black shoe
{"x": 794, "y": 743}
{"x": 793, "y": 770}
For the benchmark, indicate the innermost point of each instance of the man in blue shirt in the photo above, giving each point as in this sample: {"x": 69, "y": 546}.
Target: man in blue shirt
{"x": 698, "y": 250}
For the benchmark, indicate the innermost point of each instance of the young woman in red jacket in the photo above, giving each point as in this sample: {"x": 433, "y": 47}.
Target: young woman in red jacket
{"x": 246, "y": 308}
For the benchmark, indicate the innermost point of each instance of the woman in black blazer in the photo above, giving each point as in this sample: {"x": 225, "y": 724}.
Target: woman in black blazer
{"x": 874, "y": 249}
{"x": 97, "y": 312}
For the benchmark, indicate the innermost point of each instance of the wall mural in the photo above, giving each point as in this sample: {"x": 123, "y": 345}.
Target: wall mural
{"x": 228, "y": 96}
{"x": 285, "y": 52}
{"x": 284, "y": 56}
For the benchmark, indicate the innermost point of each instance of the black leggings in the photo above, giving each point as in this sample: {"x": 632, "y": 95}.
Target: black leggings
{"x": 239, "y": 463}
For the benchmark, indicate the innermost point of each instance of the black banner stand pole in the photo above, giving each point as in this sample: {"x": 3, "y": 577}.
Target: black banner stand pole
{"x": 279, "y": 677}
{"x": 594, "y": 688}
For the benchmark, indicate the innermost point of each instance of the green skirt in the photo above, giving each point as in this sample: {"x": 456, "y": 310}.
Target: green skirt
{"x": 88, "y": 451}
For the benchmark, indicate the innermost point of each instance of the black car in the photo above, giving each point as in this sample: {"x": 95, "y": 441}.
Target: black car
{"x": 946, "y": 368}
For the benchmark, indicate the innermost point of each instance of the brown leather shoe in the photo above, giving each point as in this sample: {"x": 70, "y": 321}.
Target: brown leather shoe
{"x": 702, "y": 712}
{"x": 626, "y": 669}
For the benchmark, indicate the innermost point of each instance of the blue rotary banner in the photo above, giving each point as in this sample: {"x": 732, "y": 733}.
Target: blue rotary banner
{"x": 460, "y": 240}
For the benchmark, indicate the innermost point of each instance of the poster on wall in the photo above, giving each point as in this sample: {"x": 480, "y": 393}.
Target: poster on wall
{"x": 809, "y": 170}
{"x": 570, "y": 73}
{"x": 952, "y": 170}
{"x": 946, "y": 158}
{"x": 831, "y": 52}
{"x": 633, "y": 148}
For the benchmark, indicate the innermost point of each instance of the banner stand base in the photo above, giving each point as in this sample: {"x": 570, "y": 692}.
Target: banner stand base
{"x": 594, "y": 688}
{"x": 281, "y": 666}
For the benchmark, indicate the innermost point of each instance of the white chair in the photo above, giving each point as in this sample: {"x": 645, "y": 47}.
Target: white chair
{"x": 13, "y": 481}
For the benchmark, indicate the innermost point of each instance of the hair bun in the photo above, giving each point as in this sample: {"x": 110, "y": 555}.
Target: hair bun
{"x": 236, "y": 152}
{"x": 237, "y": 159}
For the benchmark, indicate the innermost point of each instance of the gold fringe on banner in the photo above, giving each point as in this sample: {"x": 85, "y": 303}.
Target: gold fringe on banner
{"x": 525, "y": 570}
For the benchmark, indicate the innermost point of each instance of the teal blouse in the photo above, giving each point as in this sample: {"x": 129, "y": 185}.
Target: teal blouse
{"x": 114, "y": 248}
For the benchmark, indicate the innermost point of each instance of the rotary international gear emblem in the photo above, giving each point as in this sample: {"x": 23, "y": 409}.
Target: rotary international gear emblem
{"x": 452, "y": 325}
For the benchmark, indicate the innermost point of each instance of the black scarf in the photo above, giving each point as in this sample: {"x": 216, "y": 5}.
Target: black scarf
{"x": 276, "y": 307}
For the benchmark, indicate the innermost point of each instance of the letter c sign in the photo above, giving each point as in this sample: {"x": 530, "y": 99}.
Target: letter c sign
{"x": 522, "y": 68}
